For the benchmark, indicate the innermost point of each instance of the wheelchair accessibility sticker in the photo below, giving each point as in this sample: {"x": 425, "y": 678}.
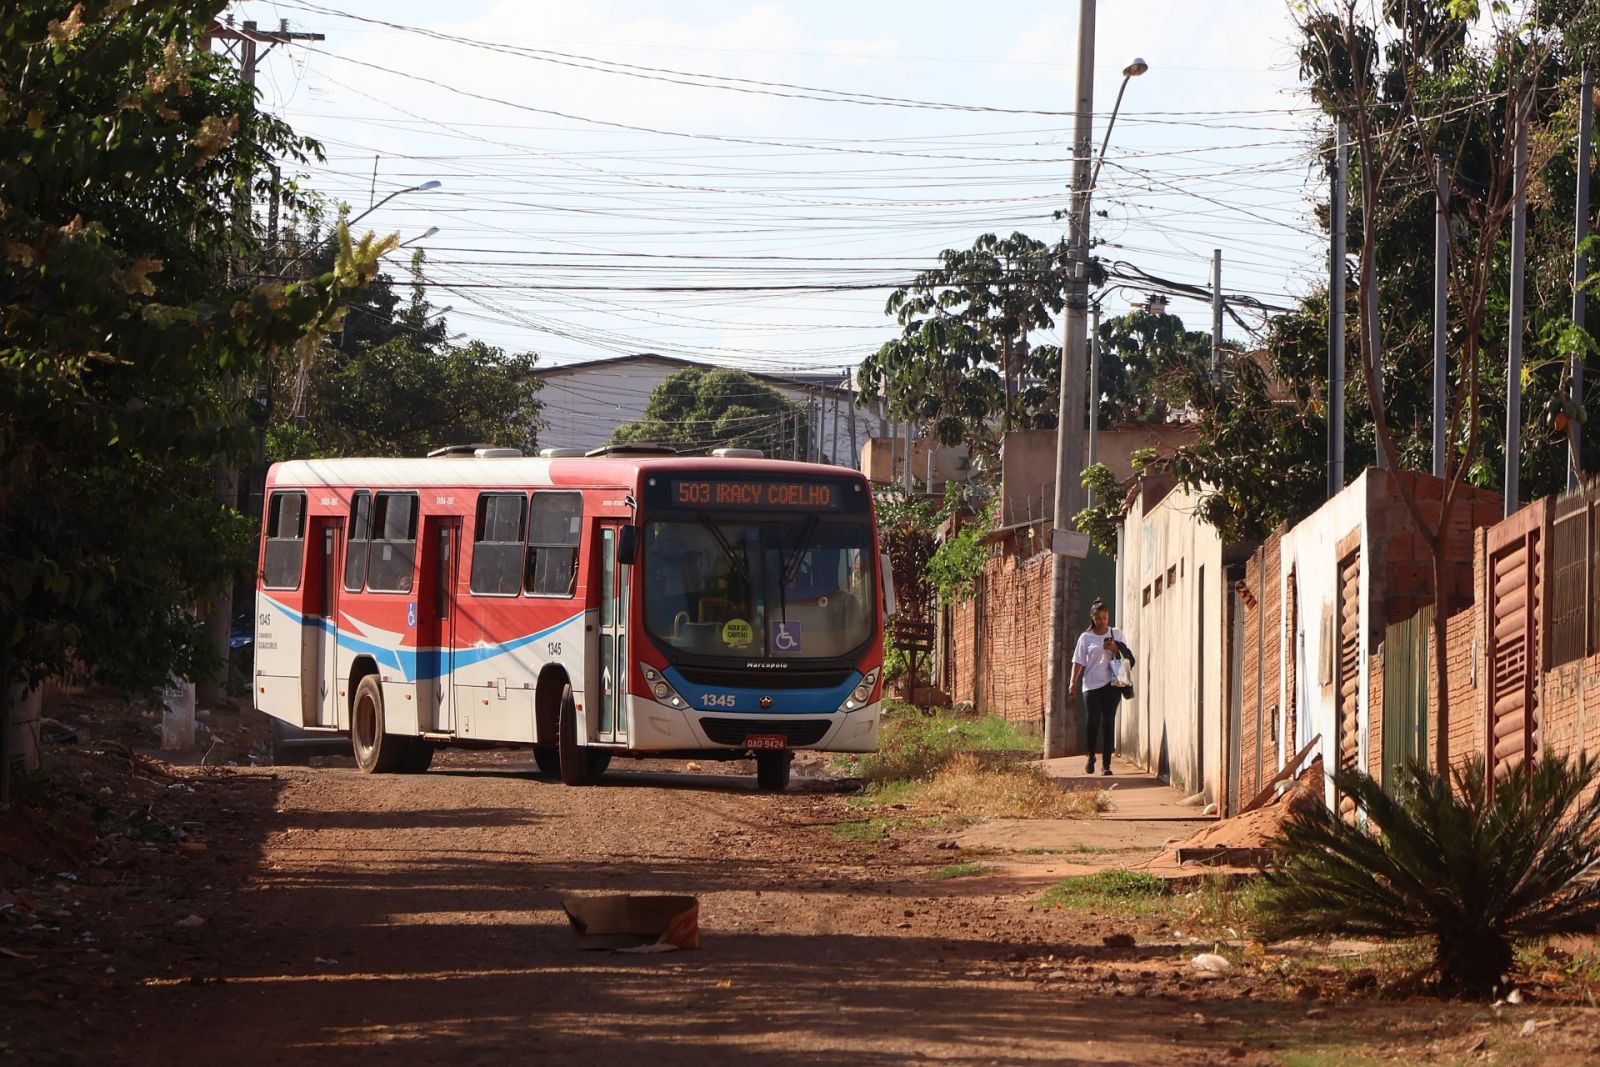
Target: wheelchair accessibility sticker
{"x": 785, "y": 636}
{"x": 411, "y": 615}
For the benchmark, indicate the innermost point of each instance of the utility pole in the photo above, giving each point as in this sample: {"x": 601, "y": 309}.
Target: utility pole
{"x": 833, "y": 434}
{"x": 1336, "y": 303}
{"x": 794, "y": 423}
{"x": 906, "y": 469}
{"x": 1580, "y": 271}
{"x": 1519, "y": 237}
{"x": 242, "y": 45}
{"x": 1441, "y": 324}
{"x": 1216, "y": 314}
{"x": 855, "y": 457}
{"x": 1060, "y": 716}
{"x": 1092, "y": 456}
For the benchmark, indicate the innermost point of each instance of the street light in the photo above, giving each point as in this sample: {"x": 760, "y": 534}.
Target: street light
{"x": 423, "y": 236}
{"x": 1075, "y": 404}
{"x": 424, "y": 187}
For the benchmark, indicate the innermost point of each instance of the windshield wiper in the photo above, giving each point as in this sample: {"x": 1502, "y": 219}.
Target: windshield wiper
{"x": 792, "y": 567}
{"x": 741, "y": 565}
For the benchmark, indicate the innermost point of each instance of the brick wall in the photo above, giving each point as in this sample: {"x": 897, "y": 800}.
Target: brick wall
{"x": 1260, "y": 668}
{"x": 999, "y": 640}
{"x": 1463, "y": 671}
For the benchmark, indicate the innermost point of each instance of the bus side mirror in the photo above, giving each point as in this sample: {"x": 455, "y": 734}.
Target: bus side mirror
{"x": 890, "y": 605}
{"x": 628, "y": 545}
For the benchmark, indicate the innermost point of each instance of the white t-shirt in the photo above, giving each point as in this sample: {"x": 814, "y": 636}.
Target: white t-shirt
{"x": 1091, "y": 656}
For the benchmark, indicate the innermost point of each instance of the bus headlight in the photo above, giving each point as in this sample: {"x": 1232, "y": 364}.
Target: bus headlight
{"x": 862, "y": 696}
{"x": 660, "y": 688}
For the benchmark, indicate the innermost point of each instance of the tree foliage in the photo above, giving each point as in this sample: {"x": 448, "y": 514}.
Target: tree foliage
{"x": 963, "y": 358}
{"x": 123, "y": 342}
{"x": 698, "y": 410}
{"x": 393, "y": 384}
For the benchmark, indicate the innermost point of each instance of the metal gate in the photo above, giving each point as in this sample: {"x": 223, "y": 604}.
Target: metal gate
{"x": 1405, "y": 693}
{"x": 1349, "y": 622}
{"x": 1515, "y": 558}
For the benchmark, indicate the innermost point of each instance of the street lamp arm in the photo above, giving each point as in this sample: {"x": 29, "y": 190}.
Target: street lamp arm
{"x": 1100, "y": 158}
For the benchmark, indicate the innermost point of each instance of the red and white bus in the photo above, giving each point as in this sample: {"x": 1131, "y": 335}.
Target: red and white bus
{"x": 627, "y": 602}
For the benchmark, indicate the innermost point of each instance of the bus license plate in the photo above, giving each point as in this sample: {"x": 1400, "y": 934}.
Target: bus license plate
{"x": 767, "y": 741}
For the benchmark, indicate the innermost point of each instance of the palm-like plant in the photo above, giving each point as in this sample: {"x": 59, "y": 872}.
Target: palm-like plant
{"x": 1476, "y": 870}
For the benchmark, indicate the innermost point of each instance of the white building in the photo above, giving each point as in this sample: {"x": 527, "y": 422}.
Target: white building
{"x": 585, "y": 402}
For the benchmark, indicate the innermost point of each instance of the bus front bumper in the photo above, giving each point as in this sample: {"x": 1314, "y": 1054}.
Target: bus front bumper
{"x": 659, "y": 728}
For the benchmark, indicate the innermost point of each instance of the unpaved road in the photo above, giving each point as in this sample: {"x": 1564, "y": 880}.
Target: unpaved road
{"x": 407, "y": 920}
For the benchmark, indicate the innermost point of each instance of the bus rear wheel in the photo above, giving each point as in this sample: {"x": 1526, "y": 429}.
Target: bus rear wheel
{"x": 376, "y": 751}
{"x": 580, "y": 764}
{"x": 772, "y": 771}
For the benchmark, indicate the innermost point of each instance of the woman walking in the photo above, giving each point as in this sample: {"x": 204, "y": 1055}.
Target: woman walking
{"x": 1094, "y": 664}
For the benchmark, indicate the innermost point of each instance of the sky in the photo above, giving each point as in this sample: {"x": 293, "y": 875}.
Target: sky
{"x": 745, "y": 183}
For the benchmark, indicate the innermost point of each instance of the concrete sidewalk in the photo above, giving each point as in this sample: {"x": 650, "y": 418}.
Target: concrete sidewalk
{"x": 1145, "y": 817}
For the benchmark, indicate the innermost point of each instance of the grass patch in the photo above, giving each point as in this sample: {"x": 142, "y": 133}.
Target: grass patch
{"x": 914, "y": 747}
{"x": 963, "y": 870}
{"x": 967, "y": 788}
{"x": 861, "y": 830}
{"x": 1071, "y": 850}
{"x": 1106, "y": 887}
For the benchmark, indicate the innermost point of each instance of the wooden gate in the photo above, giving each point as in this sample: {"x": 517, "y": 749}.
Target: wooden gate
{"x": 1515, "y": 553}
{"x": 1348, "y": 616}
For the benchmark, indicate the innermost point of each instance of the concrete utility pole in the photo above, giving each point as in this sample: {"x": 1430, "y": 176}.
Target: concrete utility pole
{"x": 242, "y": 44}
{"x": 1092, "y": 452}
{"x": 855, "y": 457}
{"x": 906, "y": 468}
{"x": 1519, "y": 239}
{"x": 1336, "y": 302}
{"x": 1216, "y": 314}
{"x": 1060, "y": 718}
{"x": 833, "y": 434}
{"x": 1441, "y": 323}
{"x": 1580, "y": 270}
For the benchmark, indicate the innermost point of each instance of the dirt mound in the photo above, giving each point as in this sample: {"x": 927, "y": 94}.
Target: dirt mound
{"x": 1252, "y": 829}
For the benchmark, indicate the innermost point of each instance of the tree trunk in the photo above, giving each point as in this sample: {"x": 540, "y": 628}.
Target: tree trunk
{"x": 1441, "y": 685}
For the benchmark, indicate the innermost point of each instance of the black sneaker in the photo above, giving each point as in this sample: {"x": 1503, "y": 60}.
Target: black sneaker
{"x": 1105, "y": 773}
{"x": 1088, "y": 768}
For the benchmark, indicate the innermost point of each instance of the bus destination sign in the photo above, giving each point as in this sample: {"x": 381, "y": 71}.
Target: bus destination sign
{"x": 726, "y": 493}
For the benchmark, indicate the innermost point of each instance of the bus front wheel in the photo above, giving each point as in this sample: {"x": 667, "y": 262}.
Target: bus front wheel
{"x": 772, "y": 771}
{"x": 548, "y": 760}
{"x": 376, "y": 752}
{"x": 580, "y": 764}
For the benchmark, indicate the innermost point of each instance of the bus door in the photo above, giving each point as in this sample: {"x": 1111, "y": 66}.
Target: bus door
{"x": 611, "y": 638}
{"x": 319, "y": 636}
{"x": 436, "y": 624}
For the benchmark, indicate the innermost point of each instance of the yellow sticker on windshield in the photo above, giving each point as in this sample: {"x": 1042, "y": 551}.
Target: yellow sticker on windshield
{"x": 736, "y": 633}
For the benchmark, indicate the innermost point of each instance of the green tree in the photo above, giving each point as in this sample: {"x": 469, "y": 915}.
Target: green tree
{"x": 1147, "y": 360}
{"x": 122, "y": 341}
{"x": 963, "y": 359}
{"x": 698, "y": 410}
{"x": 392, "y": 383}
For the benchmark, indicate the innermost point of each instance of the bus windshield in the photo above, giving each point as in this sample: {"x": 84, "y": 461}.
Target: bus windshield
{"x": 797, "y": 588}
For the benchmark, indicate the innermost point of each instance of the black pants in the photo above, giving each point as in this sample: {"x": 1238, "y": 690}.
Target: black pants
{"x": 1101, "y": 707}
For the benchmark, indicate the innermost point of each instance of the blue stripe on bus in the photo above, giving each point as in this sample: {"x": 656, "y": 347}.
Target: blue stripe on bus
{"x": 748, "y": 700}
{"x": 409, "y": 661}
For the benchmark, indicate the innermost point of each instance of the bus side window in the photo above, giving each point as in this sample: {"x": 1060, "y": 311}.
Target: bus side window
{"x": 355, "y": 552}
{"x": 555, "y": 527}
{"x": 393, "y": 551}
{"x": 497, "y": 539}
{"x": 286, "y": 541}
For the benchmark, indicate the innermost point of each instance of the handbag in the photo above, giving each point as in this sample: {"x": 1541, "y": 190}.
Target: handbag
{"x": 1122, "y": 672}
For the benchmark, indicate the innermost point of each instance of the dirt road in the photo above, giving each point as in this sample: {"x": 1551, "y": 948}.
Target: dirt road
{"x": 403, "y": 920}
